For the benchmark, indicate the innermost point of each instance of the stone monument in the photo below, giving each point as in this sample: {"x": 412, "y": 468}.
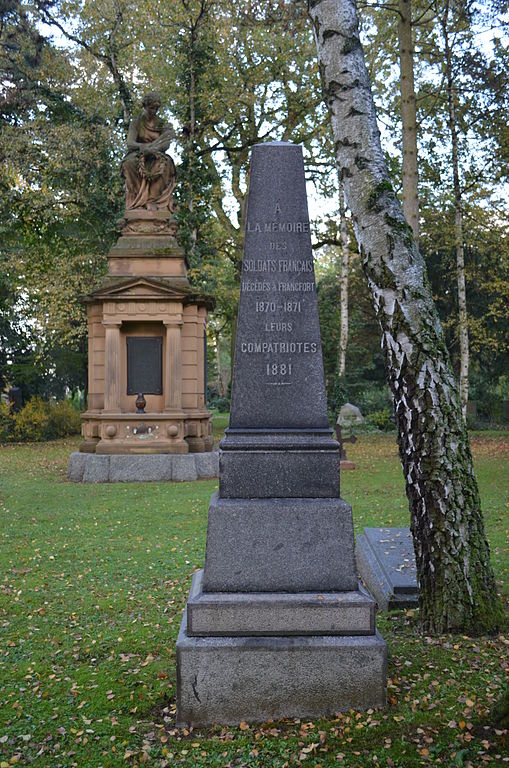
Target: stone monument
{"x": 146, "y": 326}
{"x": 276, "y": 624}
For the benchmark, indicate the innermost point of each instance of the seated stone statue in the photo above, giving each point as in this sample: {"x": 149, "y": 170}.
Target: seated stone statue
{"x": 150, "y": 174}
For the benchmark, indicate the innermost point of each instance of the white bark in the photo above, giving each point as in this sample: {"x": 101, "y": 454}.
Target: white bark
{"x": 345, "y": 265}
{"x": 410, "y": 174}
{"x": 457, "y": 588}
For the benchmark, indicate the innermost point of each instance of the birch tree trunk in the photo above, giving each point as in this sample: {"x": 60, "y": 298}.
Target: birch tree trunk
{"x": 457, "y": 586}
{"x": 410, "y": 176}
{"x": 458, "y": 222}
{"x": 343, "y": 285}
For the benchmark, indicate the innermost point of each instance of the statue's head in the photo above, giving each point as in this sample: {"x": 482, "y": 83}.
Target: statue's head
{"x": 152, "y": 99}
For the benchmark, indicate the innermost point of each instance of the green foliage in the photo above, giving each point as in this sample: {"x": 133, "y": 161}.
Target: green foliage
{"x": 340, "y": 395}
{"x": 6, "y": 422}
{"x": 373, "y": 398}
{"x": 491, "y": 398}
{"x": 364, "y": 381}
{"x": 39, "y": 420}
{"x": 31, "y": 424}
{"x": 64, "y": 419}
{"x": 381, "y": 420}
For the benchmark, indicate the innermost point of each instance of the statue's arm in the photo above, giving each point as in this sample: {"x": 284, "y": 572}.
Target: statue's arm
{"x": 132, "y": 137}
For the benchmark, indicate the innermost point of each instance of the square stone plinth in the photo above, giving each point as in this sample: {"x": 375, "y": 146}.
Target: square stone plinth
{"x": 279, "y": 545}
{"x": 231, "y": 679}
{"x": 215, "y": 614}
{"x": 279, "y": 474}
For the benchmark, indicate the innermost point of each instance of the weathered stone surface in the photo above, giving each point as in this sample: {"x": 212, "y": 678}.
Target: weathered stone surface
{"x": 138, "y": 468}
{"x": 279, "y": 443}
{"x": 231, "y": 679}
{"x": 278, "y": 613}
{"x": 386, "y": 562}
{"x": 97, "y": 469}
{"x": 273, "y": 545}
{"x": 184, "y": 468}
{"x": 279, "y": 474}
{"x": 207, "y": 464}
{"x": 278, "y": 306}
{"x": 263, "y": 634}
{"x": 349, "y": 415}
{"x": 76, "y": 467}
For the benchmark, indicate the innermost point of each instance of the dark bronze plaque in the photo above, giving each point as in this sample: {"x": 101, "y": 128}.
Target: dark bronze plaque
{"x": 144, "y": 365}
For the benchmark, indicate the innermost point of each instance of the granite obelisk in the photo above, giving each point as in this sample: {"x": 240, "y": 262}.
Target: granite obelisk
{"x": 276, "y": 624}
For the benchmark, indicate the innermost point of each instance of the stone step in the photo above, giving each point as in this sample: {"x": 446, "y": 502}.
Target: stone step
{"x": 252, "y": 614}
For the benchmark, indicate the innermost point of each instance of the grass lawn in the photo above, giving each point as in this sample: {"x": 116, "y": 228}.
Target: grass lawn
{"x": 94, "y": 581}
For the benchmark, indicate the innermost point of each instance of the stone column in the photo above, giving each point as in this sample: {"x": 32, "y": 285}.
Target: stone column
{"x": 173, "y": 366}
{"x": 112, "y": 373}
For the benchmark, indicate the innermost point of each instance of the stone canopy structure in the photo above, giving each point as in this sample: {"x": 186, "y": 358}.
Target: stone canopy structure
{"x": 146, "y": 327}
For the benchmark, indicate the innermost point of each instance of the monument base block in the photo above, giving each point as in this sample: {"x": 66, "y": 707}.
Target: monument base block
{"x": 279, "y": 545}
{"x": 231, "y": 679}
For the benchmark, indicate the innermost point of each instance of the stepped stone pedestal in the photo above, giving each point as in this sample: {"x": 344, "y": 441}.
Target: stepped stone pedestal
{"x": 146, "y": 329}
{"x": 276, "y": 624}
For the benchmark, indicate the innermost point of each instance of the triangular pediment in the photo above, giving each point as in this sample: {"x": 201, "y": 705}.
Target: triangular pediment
{"x": 140, "y": 288}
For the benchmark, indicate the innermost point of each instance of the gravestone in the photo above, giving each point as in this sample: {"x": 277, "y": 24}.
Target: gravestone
{"x": 386, "y": 562}
{"x": 276, "y": 624}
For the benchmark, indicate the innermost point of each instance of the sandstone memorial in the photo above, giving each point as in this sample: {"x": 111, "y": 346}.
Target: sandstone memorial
{"x": 146, "y": 326}
{"x": 276, "y": 624}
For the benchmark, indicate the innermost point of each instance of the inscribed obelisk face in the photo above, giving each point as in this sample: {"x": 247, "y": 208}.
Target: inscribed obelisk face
{"x": 278, "y": 380}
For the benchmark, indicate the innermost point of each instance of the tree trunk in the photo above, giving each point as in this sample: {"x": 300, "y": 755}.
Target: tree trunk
{"x": 345, "y": 257}
{"x": 410, "y": 176}
{"x": 457, "y": 586}
{"x": 458, "y": 224}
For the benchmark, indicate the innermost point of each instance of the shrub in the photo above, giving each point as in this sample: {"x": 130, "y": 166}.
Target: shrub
{"x": 373, "y": 398}
{"x": 220, "y": 404}
{"x": 31, "y": 423}
{"x": 381, "y": 420}
{"x": 64, "y": 419}
{"x": 39, "y": 420}
{"x": 6, "y": 423}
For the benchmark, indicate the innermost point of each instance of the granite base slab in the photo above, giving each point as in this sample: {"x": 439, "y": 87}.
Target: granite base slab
{"x": 231, "y": 679}
{"x": 279, "y": 545}
{"x": 279, "y": 474}
{"x": 386, "y": 563}
{"x": 141, "y": 468}
{"x": 215, "y": 614}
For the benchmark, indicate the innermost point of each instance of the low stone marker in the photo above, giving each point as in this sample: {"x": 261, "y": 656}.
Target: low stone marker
{"x": 277, "y": 625}
{"x": 386, "y": 563}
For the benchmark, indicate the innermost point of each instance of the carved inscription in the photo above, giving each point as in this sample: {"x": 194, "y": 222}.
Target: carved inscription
{"x": 277, "y": 284}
